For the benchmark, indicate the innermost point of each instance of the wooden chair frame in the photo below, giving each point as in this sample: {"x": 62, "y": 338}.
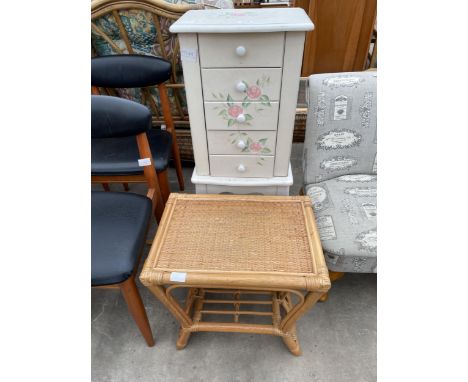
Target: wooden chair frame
{"x": 163, "y": 180}
{"x": 100, "y": 8}
{"x": 128, "y": 287}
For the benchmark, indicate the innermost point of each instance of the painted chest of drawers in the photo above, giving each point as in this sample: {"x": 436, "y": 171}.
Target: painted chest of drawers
{"x": 241, "y": 71}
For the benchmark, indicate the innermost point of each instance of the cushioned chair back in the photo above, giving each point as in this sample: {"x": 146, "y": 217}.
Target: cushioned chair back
{"x": 118, "y": 117}
{"x": 129, "y": 71}
{"x": 142, "y": 27}
{"x": 341, "y": 131}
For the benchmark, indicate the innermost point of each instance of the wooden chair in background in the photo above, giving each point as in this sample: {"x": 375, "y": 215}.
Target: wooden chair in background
{"x": 119, "y": 220}
{"x": 142, "y": 27}
{"x": 113, "y": 160}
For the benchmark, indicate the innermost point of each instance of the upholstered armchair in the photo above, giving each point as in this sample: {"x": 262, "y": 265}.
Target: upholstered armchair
{"x": 340, "y": 168}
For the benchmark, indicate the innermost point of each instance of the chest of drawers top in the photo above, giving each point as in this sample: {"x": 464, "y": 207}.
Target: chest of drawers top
{"x": 243, "y": 21}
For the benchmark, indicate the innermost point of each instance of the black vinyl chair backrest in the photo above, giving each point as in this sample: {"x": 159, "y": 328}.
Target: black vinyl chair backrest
{"x": 118, "y": 117}
{"x": 129, "y": 71}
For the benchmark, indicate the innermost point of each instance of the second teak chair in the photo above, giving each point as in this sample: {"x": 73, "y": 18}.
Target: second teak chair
{"x": 113, "y": 159}
{"x": 120, "y": 220}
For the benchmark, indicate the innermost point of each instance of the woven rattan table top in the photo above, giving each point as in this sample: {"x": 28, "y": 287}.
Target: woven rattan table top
{"x": 242, "y": 239}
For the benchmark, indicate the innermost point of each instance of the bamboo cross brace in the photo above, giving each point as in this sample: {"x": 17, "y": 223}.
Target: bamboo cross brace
{"x": 123, "y": 32}
{"x": 101, "y": 33}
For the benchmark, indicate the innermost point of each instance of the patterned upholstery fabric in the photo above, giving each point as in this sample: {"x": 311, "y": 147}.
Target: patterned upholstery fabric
{"x": 345, "y": 209}
{"x": 340, "y": 167}
{"x": 341, "y": 136}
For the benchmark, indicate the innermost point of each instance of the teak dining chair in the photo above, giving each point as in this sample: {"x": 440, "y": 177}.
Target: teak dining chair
{"x": 119, "y": 220}
{"x": 113, "y": 159}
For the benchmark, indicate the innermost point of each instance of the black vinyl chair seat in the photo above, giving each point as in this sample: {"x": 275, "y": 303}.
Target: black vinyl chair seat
{"x": 129, "y": 71}
{"x": 119, "y": 156}
{"x": 119, "y": 222}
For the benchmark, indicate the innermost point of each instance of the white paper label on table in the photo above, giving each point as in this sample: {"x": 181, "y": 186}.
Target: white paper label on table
{"x": 144, "y": 162}
{"x": 178, "y": 276}
{"x": 189, "y": 55}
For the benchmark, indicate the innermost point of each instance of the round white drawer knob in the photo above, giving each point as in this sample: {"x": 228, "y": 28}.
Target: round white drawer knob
{"x": 240, "y": 118}
{"x": 241, "y": 144}
{"x": 241, "y": 168}
{"x": 241, "y": 87}
{"x": 241, "y": 51}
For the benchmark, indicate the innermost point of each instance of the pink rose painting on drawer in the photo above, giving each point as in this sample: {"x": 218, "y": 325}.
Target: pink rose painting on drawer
{"x": 235, "y": 110}
{"x": 250, "y": 146}
{"x": 254, "y": 92}
{"x": 240, "y": 113}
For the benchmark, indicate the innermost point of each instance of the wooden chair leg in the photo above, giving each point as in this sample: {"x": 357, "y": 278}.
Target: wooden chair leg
{"x": 333, "y": 277}
{"x": 125, "y": 186}
{"x": 166, "y": 109}
{"x": 164, "y": 185}
{"x": 106, "y": 187}
{"x": 137, "y": 309}
{"x": 158, "y": 212}
{"x": 177, "y": 162}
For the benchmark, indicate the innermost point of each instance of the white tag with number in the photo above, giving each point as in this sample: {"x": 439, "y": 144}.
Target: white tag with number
{"x": 189, "y": 55}
{"x": 144, "y": 162}
{"x": 178, "y": 276}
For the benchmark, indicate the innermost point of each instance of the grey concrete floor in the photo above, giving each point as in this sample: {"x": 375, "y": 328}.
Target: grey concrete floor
{"x": 338, "y": 337}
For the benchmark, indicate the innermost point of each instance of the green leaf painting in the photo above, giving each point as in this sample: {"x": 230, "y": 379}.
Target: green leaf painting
{"x": 232, "y": 110}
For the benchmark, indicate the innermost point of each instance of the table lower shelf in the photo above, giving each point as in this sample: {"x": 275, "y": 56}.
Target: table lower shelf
{"x": 281, "y": 308}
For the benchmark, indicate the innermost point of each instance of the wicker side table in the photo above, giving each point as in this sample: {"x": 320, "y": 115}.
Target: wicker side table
{"x": 260, "y": 251}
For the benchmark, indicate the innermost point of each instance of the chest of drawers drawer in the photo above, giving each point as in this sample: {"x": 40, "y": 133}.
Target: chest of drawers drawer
{"x": 242, "y": 166}
{"x": 241, "y": 115}
{"x": 246, "y": 84}
{"x": 242, "y": 142}
{"x": 241, "y": 50}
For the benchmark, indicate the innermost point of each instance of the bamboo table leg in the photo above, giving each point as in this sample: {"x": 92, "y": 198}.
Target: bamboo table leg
{"x": 183, "y": 333}
{"x": 288, "y": 324}
{"x": 180, "y": 314}
{"x": 194, "y": 295}
{"x": 290, "y": 339}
